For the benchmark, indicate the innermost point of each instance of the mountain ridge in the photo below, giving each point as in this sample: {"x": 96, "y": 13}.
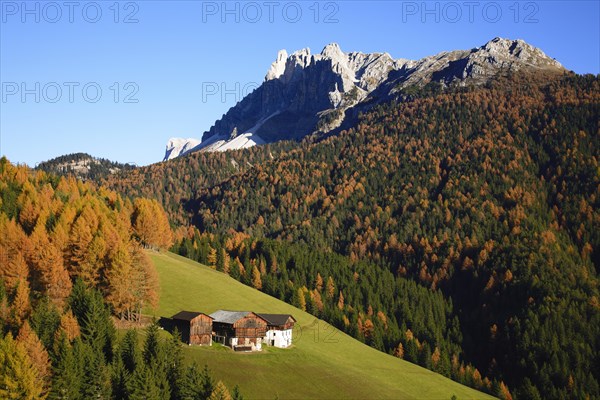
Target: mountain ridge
{"x": 305, "y": 93}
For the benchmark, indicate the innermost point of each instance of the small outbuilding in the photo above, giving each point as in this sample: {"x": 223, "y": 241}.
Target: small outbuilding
{"x": 195, "y": 327}
{"x": 279, "y": 329}
{"x": 240, "y": 330}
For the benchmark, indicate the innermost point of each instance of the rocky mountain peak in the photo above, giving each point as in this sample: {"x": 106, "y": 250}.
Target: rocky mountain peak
{"x": 516, "y": 53}
{"x": 278, "y": 67}
{"x": 304, "y": 93}
{"x": 332, "y": 51}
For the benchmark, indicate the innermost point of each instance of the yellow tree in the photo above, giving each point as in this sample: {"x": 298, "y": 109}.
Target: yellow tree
{"x": 89, "y": 269}
{"x": 151, "y": 224}
{"x": 80, "y": 238}
{"x": 341, "y": 301}
{"x": 16, "y": 270}
{"x": 301, "y": 299}
{"x": 13, "y": 242}
{"x": 319, "y": 282}
{"x": 21, "y": 306}
{"x": 220, "y": 392}
{"x": 256, "y": 281}
{"x": 68, "y": 325}
{"x": 119, "y": 279}
{"x": 17, "y": 374}
{"x": 330, "y": 288}
{"x": 49, "y": 273}
{"x": 38, "y": 356}
{"x": 144, "y": 282}
{"x": 211, "y": 258}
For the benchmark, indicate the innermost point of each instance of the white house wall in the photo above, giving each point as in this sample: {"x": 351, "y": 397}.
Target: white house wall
{"x": 279, "y": 338}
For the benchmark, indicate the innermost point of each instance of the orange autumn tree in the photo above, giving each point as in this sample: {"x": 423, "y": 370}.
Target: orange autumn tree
{"x": 55, "y": 230}
{"x": 151, "y": 225}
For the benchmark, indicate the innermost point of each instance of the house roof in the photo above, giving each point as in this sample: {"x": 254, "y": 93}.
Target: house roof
{"x": 228, "y": 317}
{"x": 276, "y": 319}
{"x": 187, "y": 315}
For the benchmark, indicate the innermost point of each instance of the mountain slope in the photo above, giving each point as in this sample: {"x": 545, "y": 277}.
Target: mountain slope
{"x": 489, "y": 195}
{"x": 305, "y": 93}
{"x": 323, "y": 363}
{"x": 486, "y": 196}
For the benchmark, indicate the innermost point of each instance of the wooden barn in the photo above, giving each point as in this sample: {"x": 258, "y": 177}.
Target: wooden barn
{"x": 279, "y": 329}
{"x": 195, "y": 327}
{"x": 240, "y": 330}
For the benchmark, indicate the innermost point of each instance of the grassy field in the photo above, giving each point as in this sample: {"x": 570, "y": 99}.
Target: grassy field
{"x": 324, "y": 363}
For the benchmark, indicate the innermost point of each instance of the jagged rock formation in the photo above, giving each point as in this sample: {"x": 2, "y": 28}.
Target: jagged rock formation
{"x": 304, "y": 93}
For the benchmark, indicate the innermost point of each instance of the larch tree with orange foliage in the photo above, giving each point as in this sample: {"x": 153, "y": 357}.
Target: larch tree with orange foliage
{"x": 151, "y": 224}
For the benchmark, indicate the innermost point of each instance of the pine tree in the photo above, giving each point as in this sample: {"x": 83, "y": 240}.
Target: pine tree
{"x": 152, "y": 347}
{"x": 207, "y": 382}
{"x": 142, "y": 385}
{"x": 66, "y": 379}
{"x": 45, "y": 321}
{"x": 119, "y": 378}
{"x": 236, "y": 394}
{"x": 96, "y": 326}
{"x": 175, "y": 364}
{"x": 197, "y": 385}
{"x": 95, "y": 373}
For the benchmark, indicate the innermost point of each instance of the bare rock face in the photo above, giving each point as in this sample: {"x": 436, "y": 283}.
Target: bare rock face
{"x": 179, "y": 146}
{"x": 303, "y": 93}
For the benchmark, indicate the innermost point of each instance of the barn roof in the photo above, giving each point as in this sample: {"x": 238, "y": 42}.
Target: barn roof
{"x": 276, "y": 319}
{"x": 187, "y": 315}
{"x": 228, "y": 317}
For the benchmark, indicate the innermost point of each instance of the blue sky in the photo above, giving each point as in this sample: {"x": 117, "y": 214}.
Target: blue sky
{"x": 118, "y": 79}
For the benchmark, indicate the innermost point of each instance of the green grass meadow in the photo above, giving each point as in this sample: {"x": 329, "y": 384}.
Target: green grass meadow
{"x": 323, "y": 363}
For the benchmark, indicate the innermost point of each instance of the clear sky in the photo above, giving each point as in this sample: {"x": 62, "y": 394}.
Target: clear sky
{"x": 117, "y": 79}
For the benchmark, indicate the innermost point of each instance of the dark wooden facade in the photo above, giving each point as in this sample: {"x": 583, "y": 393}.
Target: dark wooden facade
{"x": 251, "y": 326}
{"x": 195, "y": 327}
{"x": 238, "y": 329}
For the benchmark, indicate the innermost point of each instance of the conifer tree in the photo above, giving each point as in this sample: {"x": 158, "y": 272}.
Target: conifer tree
{"x": 17, "y": 375}
{"x": 256, "y": 280}
{"x": 220, "y": 392}
{"x": 175, "y": 364}
{"x": 66, "y": 377}
{"x": 142, "y": 385}
{"x": 38, "y": 355}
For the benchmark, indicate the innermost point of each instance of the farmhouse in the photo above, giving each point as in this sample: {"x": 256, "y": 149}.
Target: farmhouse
{"x": 195, "y": 327}
{"x": 279, "y": 329}
{"x": 240, "y": 330}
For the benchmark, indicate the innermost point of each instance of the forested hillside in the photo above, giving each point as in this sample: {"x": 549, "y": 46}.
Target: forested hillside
{"x": 453, "y": 228}
{"x": 83, "y": 166}
{"x": 71, "y": 259}
{"x": 176, "y": 182}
